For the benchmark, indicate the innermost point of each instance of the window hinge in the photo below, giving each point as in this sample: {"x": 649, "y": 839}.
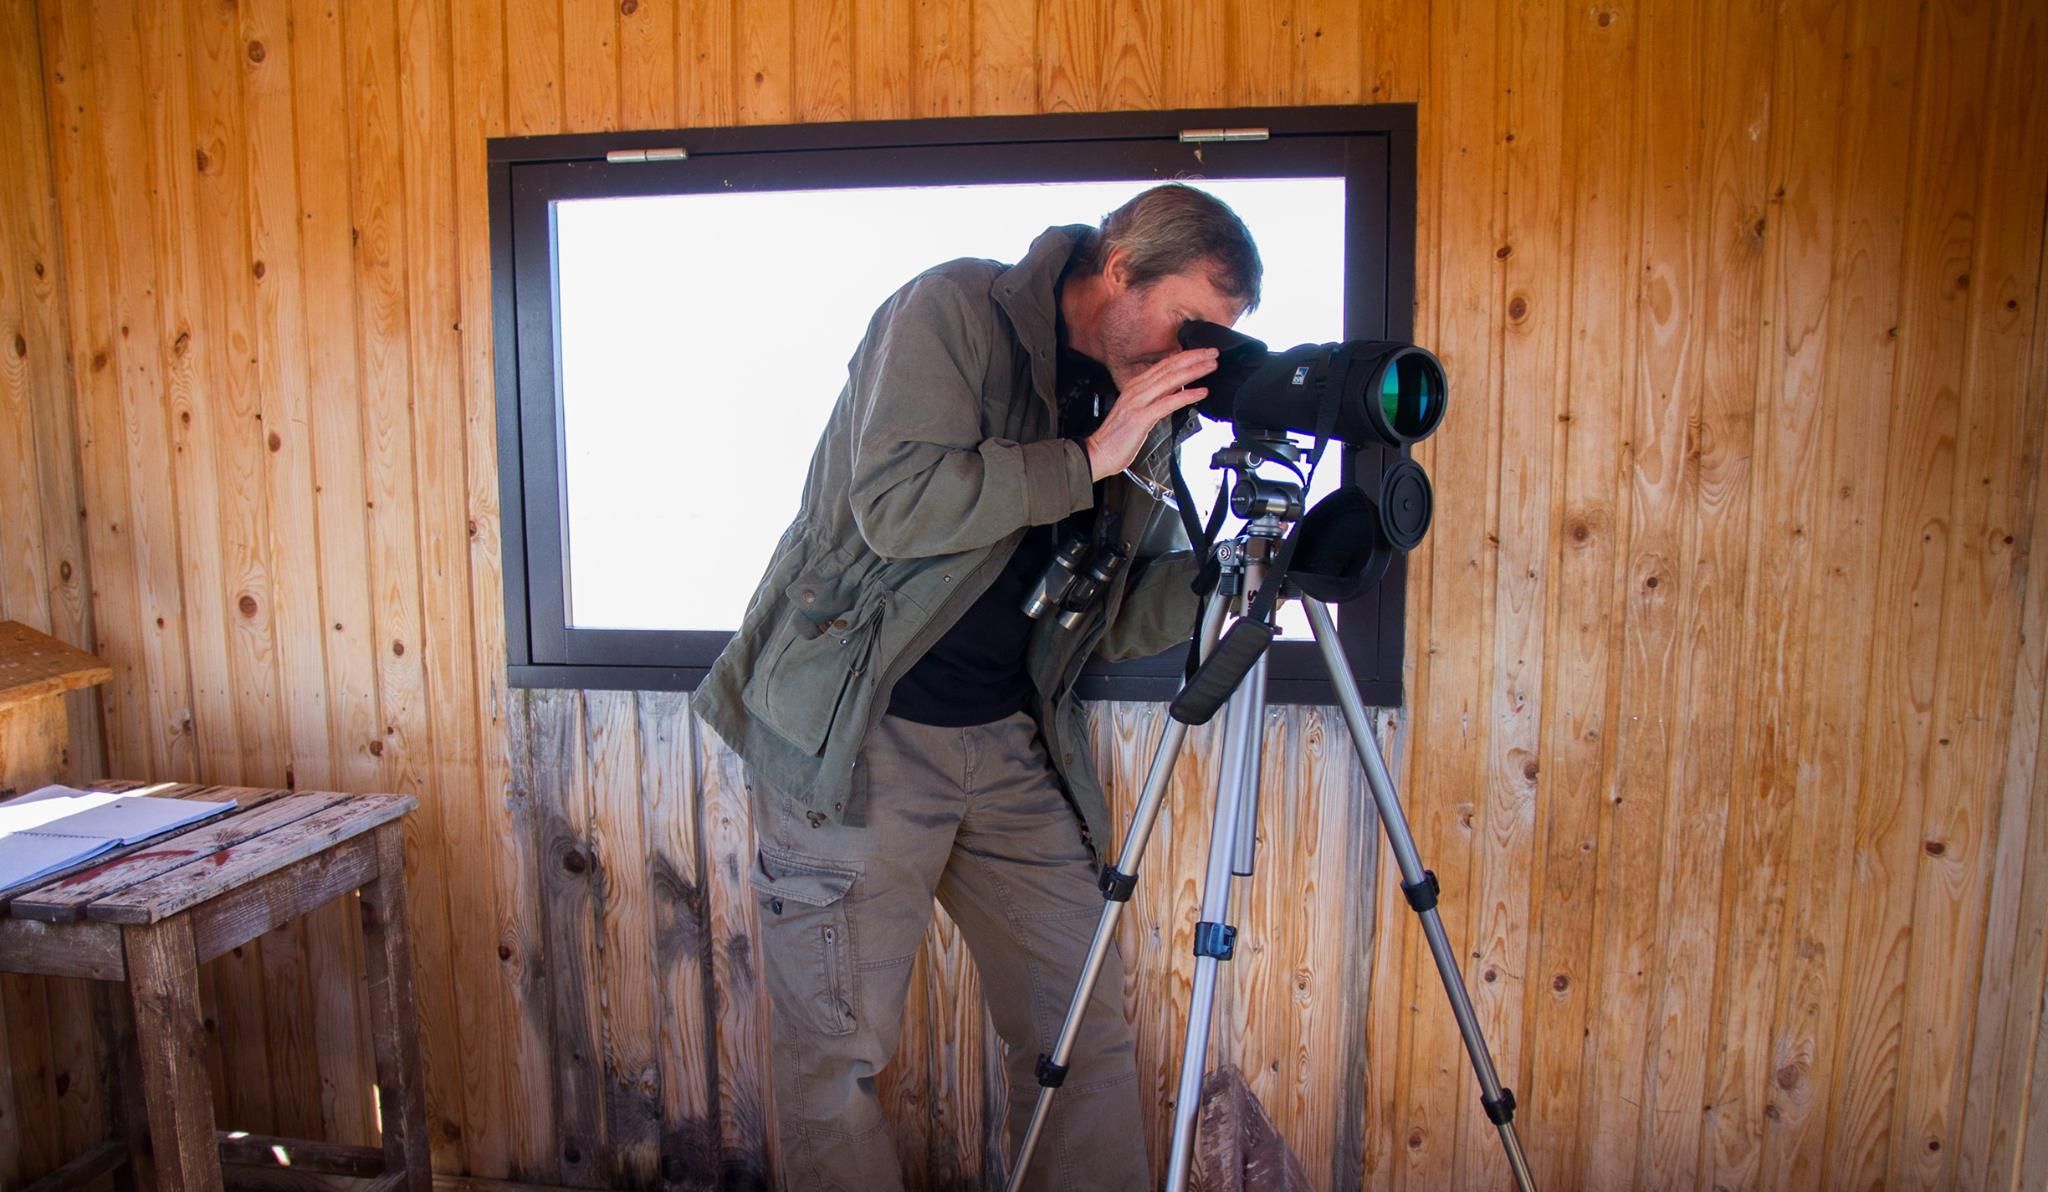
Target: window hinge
{"x": 1197, "y": 136}
{"x": 676, "y": 154}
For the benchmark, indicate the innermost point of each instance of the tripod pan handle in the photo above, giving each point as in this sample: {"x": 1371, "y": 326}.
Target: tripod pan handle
{"x": 1222, "y": 671}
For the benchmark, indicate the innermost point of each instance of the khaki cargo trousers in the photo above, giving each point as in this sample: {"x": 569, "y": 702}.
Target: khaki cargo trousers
{"x": 976, "y": 817}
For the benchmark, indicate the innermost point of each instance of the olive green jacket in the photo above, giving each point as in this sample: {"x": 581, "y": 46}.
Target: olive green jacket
{"x": 941, "y": 451}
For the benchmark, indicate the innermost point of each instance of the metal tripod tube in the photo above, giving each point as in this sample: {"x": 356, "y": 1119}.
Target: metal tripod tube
{"x": 1413, "y": 878}
{"x": 1140, "y": 834}
{"x": 1244, "y": 719}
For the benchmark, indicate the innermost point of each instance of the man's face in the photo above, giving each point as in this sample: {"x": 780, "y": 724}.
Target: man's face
{"x": 1141, "y": 324}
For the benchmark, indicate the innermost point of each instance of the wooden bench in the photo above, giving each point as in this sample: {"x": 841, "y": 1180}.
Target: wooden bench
{"x": 149, "y": 915}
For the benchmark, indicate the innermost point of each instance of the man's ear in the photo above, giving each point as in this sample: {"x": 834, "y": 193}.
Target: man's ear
{"x": 1116, "y": 269}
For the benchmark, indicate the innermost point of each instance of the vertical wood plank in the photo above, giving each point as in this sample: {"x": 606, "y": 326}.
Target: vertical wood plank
{"x": 1006, "y": 67}
{"x": 502, "y": 1131}
{"x": 705, "y": 76}
{"x": 390, "y": 218}
{"x": 1582, "y": 640}
{"x": 746, "y": 1109}
{"x": 2004, "y": 1073}
{"x": 523, "y": 943}
{"x": 328, "y": 372}
{"x": 572, "y": 906}
{"x": 1920, "y": 469}
{"x": 590, "y": 65}
{"x": 1797, "y": 224}
{"x": 764, "y": 63}
{"x": 1999, "y": 441}
{"x": 455, "y": 917}
{"x": 1531, "y": 254}
{"x": 882, "y": 62}
{"x": 534, "y": 67}
{"x": 1735, "y": 56}
{"x": 647, "y": 65}
{"x": 625, "y": 977}
{"x": 687, "y": 1054}
{"x": 1450, "y": 718}
{"x": 943, "y": 67}
{"x": 821, "y": 48}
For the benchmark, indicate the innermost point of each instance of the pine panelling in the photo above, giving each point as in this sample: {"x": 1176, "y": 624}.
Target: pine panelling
{"x": 1743, "y": 301}
{"x": 1880, "y": 1037}
{"x": 1975, "y": 682}
{"x": 1787, "y": 509}
{"x": 1452, "y": 706}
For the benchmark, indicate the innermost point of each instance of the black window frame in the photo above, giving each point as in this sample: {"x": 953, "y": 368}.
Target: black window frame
{"x": 1373, "y": 147}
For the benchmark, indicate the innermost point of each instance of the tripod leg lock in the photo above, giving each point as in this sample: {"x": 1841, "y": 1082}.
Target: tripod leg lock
{"x": 1050, "y": 1075}
{"x": 1116, "y": 884}
{"x": 1422, "y": 894}
{"x": 1500, "y": 1112}
{"x": 1215, "y": 939}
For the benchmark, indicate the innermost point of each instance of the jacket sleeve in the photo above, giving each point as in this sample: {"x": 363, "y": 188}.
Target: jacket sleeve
{"x": 925, "y": 480}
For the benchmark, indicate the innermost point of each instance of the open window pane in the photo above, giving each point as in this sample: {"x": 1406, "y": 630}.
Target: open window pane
{"x": 703, "y": 339}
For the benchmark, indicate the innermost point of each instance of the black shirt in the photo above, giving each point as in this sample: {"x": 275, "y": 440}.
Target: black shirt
{"x": 975, "y": 673}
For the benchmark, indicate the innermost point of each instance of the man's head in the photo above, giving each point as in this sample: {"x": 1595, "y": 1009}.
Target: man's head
{"x": 1170, "y": 255}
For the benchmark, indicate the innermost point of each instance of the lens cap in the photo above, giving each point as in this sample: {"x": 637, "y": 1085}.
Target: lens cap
{"x": 1405, "y": 504}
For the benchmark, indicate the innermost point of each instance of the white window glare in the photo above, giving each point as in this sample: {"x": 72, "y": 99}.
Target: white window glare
{"x": 703, "y": 338}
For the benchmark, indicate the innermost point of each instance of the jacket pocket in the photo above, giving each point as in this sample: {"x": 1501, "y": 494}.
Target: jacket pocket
{"x": 804, "y": 682}
{"x": 808, "y": 952}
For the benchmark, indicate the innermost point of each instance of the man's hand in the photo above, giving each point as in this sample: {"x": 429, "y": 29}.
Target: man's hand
{"x": 1152, "y": 395}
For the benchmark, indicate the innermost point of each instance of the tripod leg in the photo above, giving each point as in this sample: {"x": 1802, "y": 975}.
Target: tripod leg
{"x": 1420, "y": 886}
{"x": 1117, "y": 881}
{"x": 1215, "y": 938}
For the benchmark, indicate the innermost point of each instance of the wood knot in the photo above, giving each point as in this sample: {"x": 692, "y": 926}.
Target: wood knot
{"x": 574, "y": 862}
{"x": 99, "y": 361}
{"x": 247, "y": 604}
{"x": 1650, "y": 582}
{"x": 1560, "y": 983}
{"x": 376, "y": 749}
{"x": 1490, "y": 976}
{"x": 1504, "y": 252}
{"x": 1935, "y": 848}
{"x": 1518, "y": 309}
{"x": 1606, "y": 19}
{"x": 1530, "y": 771}
{"x": 64, "y": 571}
{"x": 20, "y": 346}
{"x": 256, "y": 51}
{"x": 1788, "y": 1077}
{"x": 1415, "y": 1140}
{"x": 504, "y": 952}
{"x": 628, "y": 7}
{"x": 257, "y": 269}
{"x": 276, "y": 443}
{"x": 398, "y": 648}
{"x": 1580, "y": 532}
{"x": 200, "y": 161}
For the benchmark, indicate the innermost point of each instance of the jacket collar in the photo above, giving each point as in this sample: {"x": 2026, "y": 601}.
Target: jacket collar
{"x": 1029, "y": 290}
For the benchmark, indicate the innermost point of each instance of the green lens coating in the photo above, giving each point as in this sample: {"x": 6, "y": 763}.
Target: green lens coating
{"x": 1408, "y": 397}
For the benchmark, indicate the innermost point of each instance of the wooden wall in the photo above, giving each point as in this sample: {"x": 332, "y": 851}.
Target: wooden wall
{"x": 1725, "y": 696}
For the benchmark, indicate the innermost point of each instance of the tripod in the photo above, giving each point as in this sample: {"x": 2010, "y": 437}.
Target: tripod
{"x": 1243, "y": 564}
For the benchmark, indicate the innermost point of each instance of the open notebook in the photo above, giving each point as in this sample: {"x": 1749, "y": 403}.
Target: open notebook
{"x": 56, "y": 827}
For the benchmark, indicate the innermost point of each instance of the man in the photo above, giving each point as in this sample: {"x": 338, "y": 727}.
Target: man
{"x": 908, "y": 731}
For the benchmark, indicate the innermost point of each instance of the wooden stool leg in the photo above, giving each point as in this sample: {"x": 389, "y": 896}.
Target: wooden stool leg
{"x": 396, "y": 1033}
{"x": 125, "y": 1108}
{"x": 163, "y": 984}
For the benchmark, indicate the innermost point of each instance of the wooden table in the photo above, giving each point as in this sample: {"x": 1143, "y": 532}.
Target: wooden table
{"x": 150, "y": 915}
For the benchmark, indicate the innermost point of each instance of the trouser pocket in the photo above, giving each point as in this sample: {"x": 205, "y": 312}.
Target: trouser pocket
{"x": 807, "y": 939}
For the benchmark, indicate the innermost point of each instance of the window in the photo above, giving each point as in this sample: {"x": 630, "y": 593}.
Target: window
{"x": 672, "y": 334}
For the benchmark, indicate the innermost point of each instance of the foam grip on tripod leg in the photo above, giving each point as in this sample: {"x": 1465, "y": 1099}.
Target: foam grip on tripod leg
{"x": 1221, "y": 671}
